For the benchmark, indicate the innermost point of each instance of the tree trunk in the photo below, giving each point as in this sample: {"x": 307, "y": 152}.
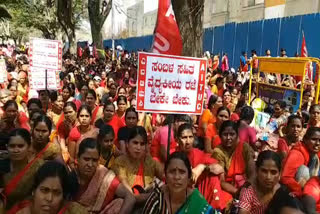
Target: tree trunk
{"x": 72, "y": 43}
{"x": 189, "y": 16}
{"x": 97, "y": 16}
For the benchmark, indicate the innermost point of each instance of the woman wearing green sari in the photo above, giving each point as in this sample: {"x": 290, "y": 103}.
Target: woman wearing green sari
{"x": 176, "y": 197}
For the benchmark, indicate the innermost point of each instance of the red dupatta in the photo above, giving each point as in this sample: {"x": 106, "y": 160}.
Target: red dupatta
{"x": 9, "y": 188}
{"x": 138, "y": 181}
{"x": 94, "y": 114}
{"x": 237, "y": 167}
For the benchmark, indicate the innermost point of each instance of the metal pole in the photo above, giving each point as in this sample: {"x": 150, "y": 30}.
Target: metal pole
{"x": 46, "y": 86}
{"x": 112, "y": 23}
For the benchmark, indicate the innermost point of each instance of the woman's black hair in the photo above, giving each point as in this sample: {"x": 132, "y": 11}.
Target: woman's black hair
{"x": 310, "y": 132}
{"x": 226, "y": 124}
{"x": 53, "y": 96}
{"x": 87, "y": 143}
{"x": 313, "y": 107}
{"x": 183, "y": 127}
{"x": 71, "y": 104}
{"x": 36, "y": 111}
{"x": 212, "y": 101}
{"x": 283, "y": 199}
{"x": 105, "y": 130}
{"x": 34, "y": 101}
{"x": 180, "y": 156}
{"x": 219, "y": 79}
{"x": 131, "y": 109}
{"x": 120, "y": 89}
{"x": 269, "y": 155}
{"x": 84, "y": 107}
{"x": 223, "y": 108}
{"x": 46, "y": 120}
{"x": 9, "y": 103}
{"x": 108, "y": 103}
{"x": 122, "y": 98}
{"x": 281, "y": 103}
{"x": 293, "y": 117}
{"x": 93, "y": 93}
{"x": 73, "y": 88}
{"x": 53, "y": 169}
{"x": 136, "y": 131}
{"x": 25, "y": 134}
{"x": 68, "y": 88}
{"x": 247, "y": 114}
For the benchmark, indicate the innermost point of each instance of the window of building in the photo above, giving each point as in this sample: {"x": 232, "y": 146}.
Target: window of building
{"x": 219, "y": 6}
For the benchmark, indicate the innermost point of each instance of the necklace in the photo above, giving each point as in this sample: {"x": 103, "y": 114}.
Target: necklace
{"x": 171, "y": 212}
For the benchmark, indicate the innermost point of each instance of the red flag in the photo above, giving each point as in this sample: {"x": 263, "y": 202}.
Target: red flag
{"x": 304, "y": 53}
{"x": 167, "y": 39}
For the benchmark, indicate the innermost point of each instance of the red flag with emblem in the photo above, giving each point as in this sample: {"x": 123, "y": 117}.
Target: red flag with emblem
{"x": 167, "y": 38}
{"x": 304, "y": 53}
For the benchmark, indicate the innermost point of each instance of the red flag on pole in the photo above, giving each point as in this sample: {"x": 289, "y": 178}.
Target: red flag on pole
{"x": 167, "y": 38}
{"x": 304, "y": 53}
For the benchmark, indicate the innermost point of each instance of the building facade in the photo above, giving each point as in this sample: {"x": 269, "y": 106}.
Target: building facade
{"x": 220, "y": 12}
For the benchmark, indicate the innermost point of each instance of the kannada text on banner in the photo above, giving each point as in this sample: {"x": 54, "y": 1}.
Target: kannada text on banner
{"x": 45, "y": 56}
{"x": 170, "y": 84}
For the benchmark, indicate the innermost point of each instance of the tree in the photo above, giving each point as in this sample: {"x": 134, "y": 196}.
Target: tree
{"x": 69, "y": 13}
{"x": 189, "y": 16}
{"x": 98, "y": 13}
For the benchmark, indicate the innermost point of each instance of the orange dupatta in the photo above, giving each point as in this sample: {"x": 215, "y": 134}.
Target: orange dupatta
{"x": 138, "y": 181}
{"x": 14, "y": 182}
{"x": 237, "y": 167}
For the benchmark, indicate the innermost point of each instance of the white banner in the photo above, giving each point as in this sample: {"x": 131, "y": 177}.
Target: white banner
{"x": 45, "y": 56}
{"x": 170, "y": 84}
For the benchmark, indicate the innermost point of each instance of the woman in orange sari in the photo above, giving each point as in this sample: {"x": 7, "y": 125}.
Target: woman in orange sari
{"x": 209, "y": 115}
{"x": 55, "y": 113}
{"x": 212, "y": 138}
{"x": 98, "y": 186}
{"x": 237, "y": 160}
{"x": 302, "y": 162}
{"x": 136, "y": 169}
{"x": 205, "y": 169}
{"x": 17, "y": 182}
{"x": 51, "y": 190}
{"x": 80, "y": 132}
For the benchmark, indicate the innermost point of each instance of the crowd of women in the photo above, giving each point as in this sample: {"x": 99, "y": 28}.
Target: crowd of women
{"x": 85, "y": 149}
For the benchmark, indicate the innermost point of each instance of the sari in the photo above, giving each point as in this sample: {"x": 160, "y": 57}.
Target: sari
{"x": 213, "y": 135}
{"x": 19, "y": 186}
{"x": 195, "y": 203}
{"x": 208, "y": 184}
{"x": 108, "y": 160}
{"x": 297, "y": 157}
{"x": 132, "y": 170}
{"x": 98, "y": 195}
{"x": 24, "y": 207}
{"x": 206, "y": 118}
{"x": 312, "y": 189}
{"x": 235, "y": 167}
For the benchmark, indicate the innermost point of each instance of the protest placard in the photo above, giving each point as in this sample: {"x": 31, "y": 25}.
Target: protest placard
{"x": 170, "y": 84}
{"x": 45, "y": 56}
{"x": 3, "y": 71}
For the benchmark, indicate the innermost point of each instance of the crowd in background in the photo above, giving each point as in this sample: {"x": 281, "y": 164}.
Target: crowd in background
{"x": 85, "y": 149}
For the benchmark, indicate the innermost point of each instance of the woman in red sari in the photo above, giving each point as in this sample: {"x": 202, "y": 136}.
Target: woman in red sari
{"x": 292, "y": 136}
{"x": 110, "y": 118}
{"x": 311, "y": 195}
{"x": 236, "y": 157}
{"x": 80, "y": 132}
{"x": 17, "y": 182}
{"x": 99, "y": 186}
{"x": 122, "y": 107}
{"x": 12, "y": 118}
{"x": 50, "y": 192}
{"x": 227, "y": 100}
{"x": 65, "y": 126}
{"x": 302, "y": 162}
{"x": 212, "y": 138}
{"x": 96, "y": 111}
{"x": 204, "y": 168}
